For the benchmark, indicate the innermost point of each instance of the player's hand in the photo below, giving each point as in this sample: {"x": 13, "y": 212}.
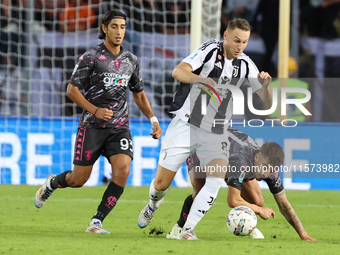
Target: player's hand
{"x": 104, "y": 114}
{"x": 157, "y": 131}
{"x": 266, "y": 212}
{"x": 264, "y": 78}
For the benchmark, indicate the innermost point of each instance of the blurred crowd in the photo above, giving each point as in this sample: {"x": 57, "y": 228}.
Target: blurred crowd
{"x": 317, "y": 18}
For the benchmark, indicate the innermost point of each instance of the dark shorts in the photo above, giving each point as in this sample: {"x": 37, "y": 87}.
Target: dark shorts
{"x": 93, "y": 142}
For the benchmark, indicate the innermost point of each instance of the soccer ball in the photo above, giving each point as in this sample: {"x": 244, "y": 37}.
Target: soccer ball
{"x": 241, "y": 220}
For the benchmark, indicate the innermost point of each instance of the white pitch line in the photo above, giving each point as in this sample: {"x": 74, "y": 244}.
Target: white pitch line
{"x": 8, "y": 198}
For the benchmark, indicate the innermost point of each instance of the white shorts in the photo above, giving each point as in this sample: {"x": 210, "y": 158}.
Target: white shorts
{"x": 182, "y": 139}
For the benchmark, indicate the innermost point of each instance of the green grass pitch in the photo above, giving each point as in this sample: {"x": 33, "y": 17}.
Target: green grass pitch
{"x": 59, "y": 227}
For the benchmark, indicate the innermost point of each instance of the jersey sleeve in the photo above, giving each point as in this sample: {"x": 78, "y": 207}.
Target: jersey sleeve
{"x": 240, "y": 169}
{"x": 83, "y": 69}
{"x": 136, "y": 82}
{"x": 232, "y": 177}
{"x": 196, "y": 58}
{"x": 274, "y": 183}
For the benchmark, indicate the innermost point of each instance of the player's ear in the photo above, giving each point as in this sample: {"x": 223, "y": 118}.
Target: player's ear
{"x": 104, "y": 28}
{"x": 225, "y": 35}
{"x": 256, "y": 158}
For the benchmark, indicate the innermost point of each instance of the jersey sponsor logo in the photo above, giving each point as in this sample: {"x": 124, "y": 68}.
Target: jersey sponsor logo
{"x": 102, "y": 57}
{"x": 225, "y": 79}
{"x": 112, "y": 79}
{"x": 219, "y": 65}
{"x": 222, "y": 91}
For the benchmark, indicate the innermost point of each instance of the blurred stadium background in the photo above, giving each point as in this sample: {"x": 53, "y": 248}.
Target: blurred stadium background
{"x": 41, "y": 41}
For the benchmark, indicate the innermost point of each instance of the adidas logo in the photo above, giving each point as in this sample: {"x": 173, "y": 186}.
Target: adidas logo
{"x": 219, "y": 65}
{"x": 102, "y": 57}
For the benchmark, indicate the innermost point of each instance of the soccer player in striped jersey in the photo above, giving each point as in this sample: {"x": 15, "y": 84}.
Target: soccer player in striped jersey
{"x": 214, "y": 62}
{"x": 243, "y": 188}
{"x": 105, "y": 72}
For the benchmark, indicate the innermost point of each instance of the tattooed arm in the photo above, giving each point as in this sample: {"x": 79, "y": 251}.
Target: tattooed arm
{"x": 288, "y": 212}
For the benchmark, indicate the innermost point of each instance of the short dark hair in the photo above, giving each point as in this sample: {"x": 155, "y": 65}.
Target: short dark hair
{"x": 107, "y": 19}
{"x": 273, "y": 152}
{"x": 238, "y": 23}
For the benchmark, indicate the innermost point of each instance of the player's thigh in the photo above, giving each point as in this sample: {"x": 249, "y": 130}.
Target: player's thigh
{"x": 176, "y": 146}
{"x": 252, "y": 193}
{"x": 88, "y": 145}
{"x": 213, "y": 153}
{"x": 118, "y": 142}
{"x": 119, "y": 151}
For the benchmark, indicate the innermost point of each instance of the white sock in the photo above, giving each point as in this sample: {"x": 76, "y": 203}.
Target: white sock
{"x": 155, "y": 196}
{"x": 203, "y": 201}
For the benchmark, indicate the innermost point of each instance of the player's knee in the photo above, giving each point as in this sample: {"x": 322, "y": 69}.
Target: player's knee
{"x": 125, "y": 172}
{"x": 159, "y": 184}
{"x": 122, "y": 171}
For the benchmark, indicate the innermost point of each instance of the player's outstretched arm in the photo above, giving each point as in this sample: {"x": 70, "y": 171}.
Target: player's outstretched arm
{"x": 235, "y": 199}
{"x": 266, "y": 92}
{"x": 144, "y": 105}
{"x": 288, "y": 212}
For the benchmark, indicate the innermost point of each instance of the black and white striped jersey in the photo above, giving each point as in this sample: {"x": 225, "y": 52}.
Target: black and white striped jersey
{"x": 208, "y": 60}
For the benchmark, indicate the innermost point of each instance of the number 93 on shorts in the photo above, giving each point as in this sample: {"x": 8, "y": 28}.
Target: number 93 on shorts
{"x": 92, "y": 142}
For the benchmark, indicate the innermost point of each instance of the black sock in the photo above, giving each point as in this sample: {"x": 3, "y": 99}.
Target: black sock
{"x": 185, "y": 211}
{"x": 59, "y": 181}
{"x": 109, "y": 200}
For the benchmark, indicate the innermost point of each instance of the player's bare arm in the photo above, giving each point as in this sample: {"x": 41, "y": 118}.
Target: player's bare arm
{"x": 235, "y": 199}
{"x": 76, "y": 96}
{"x": 266, "y": 92}
{"x": 183, "y": 73}
{"x": 288, "y": 212}
{"x": 144, "y": 105}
